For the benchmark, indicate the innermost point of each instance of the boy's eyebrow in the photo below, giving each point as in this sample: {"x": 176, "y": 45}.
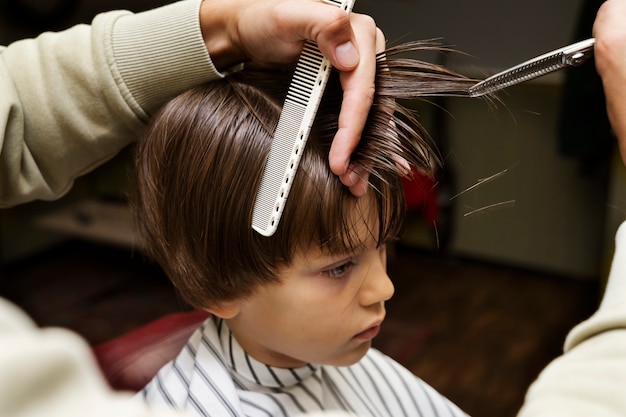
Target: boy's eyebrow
{"x": 320, "y": 257}
{"x": 338, "y": 262}
{"x": 350, "y": 251}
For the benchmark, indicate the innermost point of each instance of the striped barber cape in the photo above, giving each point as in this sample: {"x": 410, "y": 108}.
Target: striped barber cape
{"x": 214, "y": 377}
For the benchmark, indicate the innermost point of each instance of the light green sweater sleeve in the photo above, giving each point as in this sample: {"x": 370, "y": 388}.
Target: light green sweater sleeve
{"x": 589, "y": 379}
{"x": 52, "y": 373}
{"x": 71, "y": 100}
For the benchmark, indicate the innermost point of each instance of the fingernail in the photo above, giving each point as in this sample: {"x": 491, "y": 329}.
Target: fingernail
{"x": 347, "y": 55}
{"x": 351, "y": 176}
{"x": 357, "y": 173}
{"x": 358, "y": 180}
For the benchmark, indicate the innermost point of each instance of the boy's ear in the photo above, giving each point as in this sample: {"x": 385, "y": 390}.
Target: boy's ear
{"x": 225, "y": 310}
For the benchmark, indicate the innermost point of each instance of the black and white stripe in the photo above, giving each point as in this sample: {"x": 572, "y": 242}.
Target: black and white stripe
{"x": 214, "y": 377}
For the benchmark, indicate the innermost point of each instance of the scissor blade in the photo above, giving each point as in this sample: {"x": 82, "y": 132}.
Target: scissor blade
{"x": 570, "y": 55}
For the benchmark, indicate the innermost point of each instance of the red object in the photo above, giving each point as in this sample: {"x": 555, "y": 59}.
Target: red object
{"x": 129, "y": 362}
{"x": 420, "y": 193}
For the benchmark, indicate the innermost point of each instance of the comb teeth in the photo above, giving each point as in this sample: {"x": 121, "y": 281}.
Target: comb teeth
{"x": 309, "y": 68}
{"x": 292, "y": 132}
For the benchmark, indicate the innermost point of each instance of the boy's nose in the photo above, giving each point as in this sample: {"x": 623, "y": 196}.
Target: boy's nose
{"x": 379, "y": 287}
{"x": 385, "y": 287}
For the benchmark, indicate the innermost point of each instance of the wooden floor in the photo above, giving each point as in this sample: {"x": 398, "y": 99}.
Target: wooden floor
{"x": 479, "y": 333}
{"x": 489, "y": 328}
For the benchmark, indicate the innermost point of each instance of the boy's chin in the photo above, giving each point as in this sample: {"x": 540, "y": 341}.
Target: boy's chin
{"x": 351, "y": 357}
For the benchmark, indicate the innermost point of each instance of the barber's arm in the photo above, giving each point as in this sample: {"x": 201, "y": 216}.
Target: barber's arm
{"x": 51, "y": 372}
{"x": 69, "y": 101}
{"x": 589, "y": 378}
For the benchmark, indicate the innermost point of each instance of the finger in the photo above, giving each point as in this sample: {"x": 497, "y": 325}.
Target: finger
{"x": 358, "y": 94}
{"x": 330, "y": 27}
{"x": 336, "y": 38}
{"x": 273, "y": 32}
{"x": 325, "y": 24}
{"x": 355, "y": 179}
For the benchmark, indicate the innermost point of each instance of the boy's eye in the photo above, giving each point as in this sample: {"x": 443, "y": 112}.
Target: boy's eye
{"x": 339, "y": 271}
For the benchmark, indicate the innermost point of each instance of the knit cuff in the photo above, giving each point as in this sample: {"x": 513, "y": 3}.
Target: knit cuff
{"x": 161, "y": 52}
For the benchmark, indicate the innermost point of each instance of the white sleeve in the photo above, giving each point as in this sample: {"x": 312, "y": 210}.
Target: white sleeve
{"x": 51, "y": 372}
{"x": 589, "y": 379}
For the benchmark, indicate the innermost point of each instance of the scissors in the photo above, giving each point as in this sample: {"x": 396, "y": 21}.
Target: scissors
{"x": 571, "y": 55}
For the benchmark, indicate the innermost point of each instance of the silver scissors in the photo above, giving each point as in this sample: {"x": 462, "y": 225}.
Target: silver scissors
{"x": 571, "y": 55}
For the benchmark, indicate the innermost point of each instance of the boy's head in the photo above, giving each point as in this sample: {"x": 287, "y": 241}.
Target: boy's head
{"x": 200, "y": 164}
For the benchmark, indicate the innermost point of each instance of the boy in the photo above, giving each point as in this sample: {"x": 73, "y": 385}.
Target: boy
{"x": 293, "y": 315}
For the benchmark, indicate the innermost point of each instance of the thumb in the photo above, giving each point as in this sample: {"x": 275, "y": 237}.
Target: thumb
{"x": 346, "y": 56}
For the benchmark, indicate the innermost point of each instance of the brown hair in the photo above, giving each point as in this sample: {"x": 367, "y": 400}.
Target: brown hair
{"x": 200, "y": 163}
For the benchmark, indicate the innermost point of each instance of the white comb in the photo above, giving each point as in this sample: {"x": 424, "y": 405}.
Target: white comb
{"x": 292, "y": 132}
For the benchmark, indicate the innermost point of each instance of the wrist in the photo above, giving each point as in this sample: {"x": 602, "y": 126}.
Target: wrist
{"x": 219, "y": 31}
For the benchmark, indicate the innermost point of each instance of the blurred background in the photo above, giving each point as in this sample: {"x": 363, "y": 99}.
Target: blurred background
{"x": 501, "y": 254}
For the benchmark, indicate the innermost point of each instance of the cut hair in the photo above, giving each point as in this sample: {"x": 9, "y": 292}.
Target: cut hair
{"x": 201, "y": 159}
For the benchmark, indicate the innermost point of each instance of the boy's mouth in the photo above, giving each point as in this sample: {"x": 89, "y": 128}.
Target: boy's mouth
{"x": 369, "y": 333}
